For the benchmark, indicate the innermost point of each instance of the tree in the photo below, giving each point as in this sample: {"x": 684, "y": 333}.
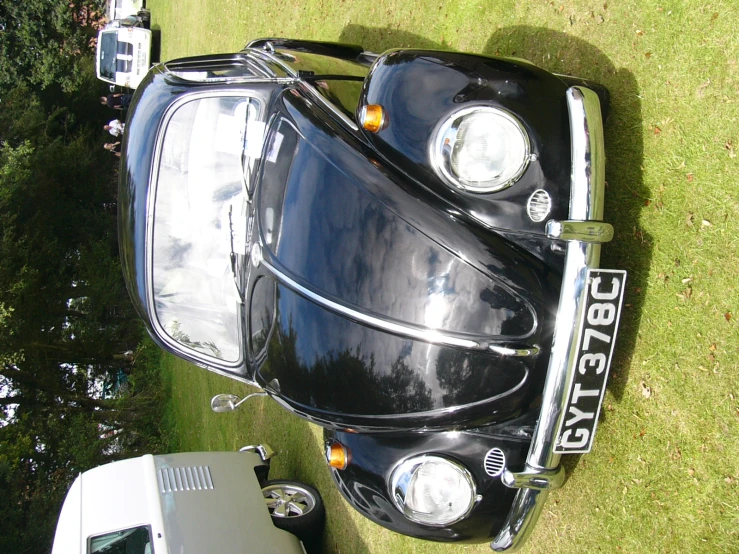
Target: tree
{"x": 42, "y": 41}
{"x": 66, "y": 322}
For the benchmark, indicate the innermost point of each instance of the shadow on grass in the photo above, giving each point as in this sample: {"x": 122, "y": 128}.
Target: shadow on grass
{"x": 626, "y": 194}
{"x": 156, "y": 44}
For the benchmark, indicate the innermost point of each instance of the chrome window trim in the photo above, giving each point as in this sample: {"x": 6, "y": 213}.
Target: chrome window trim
{"x": 272, "y": 58}
{"x": 587, "y": 181}
{"x": 315, "y": 95}
{"x": 264, "y": 73}
{"x": 209, "y": 362}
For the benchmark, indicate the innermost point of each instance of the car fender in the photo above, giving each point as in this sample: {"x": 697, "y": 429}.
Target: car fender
{"x": 419, "y": 89}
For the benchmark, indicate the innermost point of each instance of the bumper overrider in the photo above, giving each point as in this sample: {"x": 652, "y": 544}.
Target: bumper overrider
{"x": 583, "y": 233}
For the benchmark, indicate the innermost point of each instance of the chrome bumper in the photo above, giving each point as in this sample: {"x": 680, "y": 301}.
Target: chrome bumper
{"x": 265, "y": 451}
{"x": 584, "y": 232}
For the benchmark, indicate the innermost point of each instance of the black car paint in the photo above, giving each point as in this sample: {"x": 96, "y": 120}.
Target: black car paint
{"x": 350, "y": 227}
{"x": 364, "y": 483}
{"x": 420, "y": 88}
{"x": 490, "y": 231}
{"x": 350, "y": 52}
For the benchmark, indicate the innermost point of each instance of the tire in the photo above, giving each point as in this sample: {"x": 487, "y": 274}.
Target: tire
{"x": 296, "y": 508}
{"x": 145, "y": 17}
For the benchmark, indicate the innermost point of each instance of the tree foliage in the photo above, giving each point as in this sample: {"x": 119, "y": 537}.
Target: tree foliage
{"x": 42, "y": 41}
{"x": 66, "y": 323}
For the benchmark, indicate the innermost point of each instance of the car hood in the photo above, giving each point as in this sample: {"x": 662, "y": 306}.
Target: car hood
{"x": 375, "y": 280}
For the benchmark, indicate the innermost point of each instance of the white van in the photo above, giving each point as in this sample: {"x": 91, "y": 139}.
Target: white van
{"x": 124, "y": 44}
{"x": 121, "y": 9}
{"x": 188, "y": 503}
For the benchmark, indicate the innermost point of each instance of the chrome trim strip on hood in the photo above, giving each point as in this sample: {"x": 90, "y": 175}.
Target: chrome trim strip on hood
{"x": 586, "y": 203}
{"x": 418, "y": 333}
{"x": 426, "y": 335}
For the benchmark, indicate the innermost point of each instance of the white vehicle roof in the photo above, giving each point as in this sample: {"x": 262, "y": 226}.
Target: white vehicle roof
{"x": 112, "y": 497}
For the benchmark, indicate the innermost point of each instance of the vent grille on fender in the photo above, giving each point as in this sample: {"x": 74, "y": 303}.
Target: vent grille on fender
{"x": 192, "y": 478}
{"x": 494, "y": 462}
{"x": 539, "y": 205}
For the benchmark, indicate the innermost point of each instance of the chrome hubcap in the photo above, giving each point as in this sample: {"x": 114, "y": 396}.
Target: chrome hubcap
{"x": 288, "y": 500}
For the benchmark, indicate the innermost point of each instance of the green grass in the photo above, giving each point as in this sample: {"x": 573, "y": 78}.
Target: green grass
{"x": 664, "y": 473}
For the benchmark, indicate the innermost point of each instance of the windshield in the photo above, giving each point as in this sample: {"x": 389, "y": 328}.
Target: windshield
{"x": 200, "y": 225}
{"x": 129, "y": 541}
{"x": 108, "y": 49}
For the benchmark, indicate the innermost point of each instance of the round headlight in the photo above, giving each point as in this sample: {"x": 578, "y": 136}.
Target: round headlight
{"x": 432, "y": 490}
{"x": 481, "y": 149}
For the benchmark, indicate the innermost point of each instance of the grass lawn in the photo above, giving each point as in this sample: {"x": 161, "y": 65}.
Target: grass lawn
{"x": 664, "y": 473}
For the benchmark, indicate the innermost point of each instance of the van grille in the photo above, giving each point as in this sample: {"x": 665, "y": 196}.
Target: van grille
{"x": 192, "y": 478}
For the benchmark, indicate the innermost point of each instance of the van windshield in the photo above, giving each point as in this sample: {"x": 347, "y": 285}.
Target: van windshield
{"x": 108, "y": 51}
{"x": 128, "y": 541}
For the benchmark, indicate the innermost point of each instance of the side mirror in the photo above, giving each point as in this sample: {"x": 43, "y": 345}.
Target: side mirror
{"x": 224, "y": 402}
{"x": 229, "y": 402}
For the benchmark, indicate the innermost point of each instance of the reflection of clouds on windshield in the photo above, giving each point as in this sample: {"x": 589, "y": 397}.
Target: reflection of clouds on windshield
{"x": 346, "y": 244}
{"x": 199, "y": 183}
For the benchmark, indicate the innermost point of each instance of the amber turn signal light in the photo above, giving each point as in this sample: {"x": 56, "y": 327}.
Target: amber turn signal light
{"x": 337, "y": 455}
{"x": 372, "y": 117}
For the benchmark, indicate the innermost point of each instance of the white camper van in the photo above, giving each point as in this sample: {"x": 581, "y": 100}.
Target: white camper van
{"x": 124, "y": 44}
{"x": 188, "y": 503}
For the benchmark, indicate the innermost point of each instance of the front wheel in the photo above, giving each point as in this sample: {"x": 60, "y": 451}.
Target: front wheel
{"x": 296, "y": 508}
{"x": 145, "y": 17}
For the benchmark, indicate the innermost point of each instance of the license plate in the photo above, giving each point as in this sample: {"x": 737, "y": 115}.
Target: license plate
{"x": 600, "y": 316}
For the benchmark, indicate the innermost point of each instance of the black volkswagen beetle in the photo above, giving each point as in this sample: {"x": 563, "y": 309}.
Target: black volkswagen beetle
{"x": 402, "y": 248}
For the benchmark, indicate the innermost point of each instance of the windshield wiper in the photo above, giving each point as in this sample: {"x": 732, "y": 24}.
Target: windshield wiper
{"x": 233, "y": 256}
{"x": 245, "y": 167}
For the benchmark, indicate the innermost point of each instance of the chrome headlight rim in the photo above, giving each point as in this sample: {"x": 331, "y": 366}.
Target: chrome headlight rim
{"x": 440, "y": 149}
{"x": 407, "y": 467}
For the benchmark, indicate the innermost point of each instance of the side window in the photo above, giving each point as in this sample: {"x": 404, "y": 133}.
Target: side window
{"x": 128, "y": 541}
{"x": 282, "y": 147}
